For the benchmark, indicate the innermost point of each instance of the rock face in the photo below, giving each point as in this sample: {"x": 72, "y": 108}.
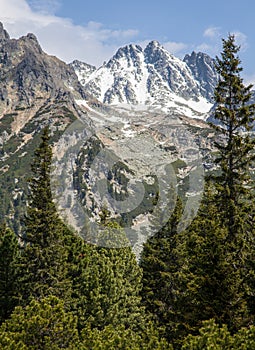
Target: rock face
{"x": 35, "y": 90}
{"x": 203, "y": 69}
{"x": 154, "y": 78}
{"x": 83, "y": 70}
{"x": 28, "y": 74}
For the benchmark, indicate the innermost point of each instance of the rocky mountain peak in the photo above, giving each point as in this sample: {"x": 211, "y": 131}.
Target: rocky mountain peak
{"x": 3, "y": 33}
{"x": 128, "y": 50}
{"x": 29, "y": 76}
{"x": 83, "y": 70}
{"x": 30, "y": 43}
{"x": 149, "y": 77}
{"x": 202, "y": 67}
{"x": 129, "y": 55}
{"x": 154, "y": 52}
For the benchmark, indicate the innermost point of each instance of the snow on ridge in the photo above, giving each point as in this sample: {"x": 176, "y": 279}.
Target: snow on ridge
{"x": 146, "y": 78}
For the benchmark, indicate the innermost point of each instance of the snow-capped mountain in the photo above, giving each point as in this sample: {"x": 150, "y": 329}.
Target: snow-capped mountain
{"x": 153, "y": 78}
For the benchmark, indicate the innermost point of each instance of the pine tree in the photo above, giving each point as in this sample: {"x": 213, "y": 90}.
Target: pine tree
{"x": 40, "y": 325}
{"x": 106, "y": 284}
{"x": 44, "y": 257}
{"x": 9, "y": 253}
{"x": 218, "y": 247}
{"x": 212, "y": 272}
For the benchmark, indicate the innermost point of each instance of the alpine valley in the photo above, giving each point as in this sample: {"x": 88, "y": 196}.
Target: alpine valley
{"x": 119, "y": 126}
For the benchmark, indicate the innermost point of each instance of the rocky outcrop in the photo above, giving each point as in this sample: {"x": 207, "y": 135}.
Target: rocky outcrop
{"x": 203, "y": 69}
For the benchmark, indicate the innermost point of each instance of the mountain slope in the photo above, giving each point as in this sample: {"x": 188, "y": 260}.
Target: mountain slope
{"x": 35, "y": 90}
{"x": 203, "y": 69}
{"x": 154, "y": 94}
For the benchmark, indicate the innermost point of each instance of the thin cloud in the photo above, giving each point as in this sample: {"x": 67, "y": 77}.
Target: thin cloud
{"x": 92, "y": 43}
{"x": 175, "y": 48}
{"x": 212, "y": 32}
{"x": 241, "y": 40}
{"x": 44, "y": 6}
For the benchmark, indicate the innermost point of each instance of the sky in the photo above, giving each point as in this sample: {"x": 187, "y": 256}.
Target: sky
{"x": 92, "y": 31}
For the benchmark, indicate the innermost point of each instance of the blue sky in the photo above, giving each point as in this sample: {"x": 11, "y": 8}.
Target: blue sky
{"x": 93, "y": 30}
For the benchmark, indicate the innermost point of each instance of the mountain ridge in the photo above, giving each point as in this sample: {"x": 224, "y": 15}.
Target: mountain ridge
{"x": 153, "y": 77}
{"x": 37, "y": 89}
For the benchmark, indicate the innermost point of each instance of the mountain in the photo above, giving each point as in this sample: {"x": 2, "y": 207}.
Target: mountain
{"x": 152, "y": 78}
{"x": 83, "y": 70}
{"x": 203, "y": 69}
{"x": 118, "y": 131}
{"x": 36, "y": 90}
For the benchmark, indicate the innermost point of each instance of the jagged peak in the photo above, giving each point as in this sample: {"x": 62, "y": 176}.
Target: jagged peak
{"x": 31, "y": 41}
{"x": 154, "y": 44}
{"x": 78, "y": 63}
{"x": 154, "y": 52}
{"x": 197, "y": 55}
{"x": 31, "y": 36}
{"x": 128, "y": 50}
{"x": 3, "y": 33}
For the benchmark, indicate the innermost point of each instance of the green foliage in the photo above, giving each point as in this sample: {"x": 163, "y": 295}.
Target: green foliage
{"x": 160, "y": 262}
{"x": 112, "y": 338}
{"x": 235, "y": 146}
{"x": 211, "y": 337}
{"x": 44, "y": 257}
{"x": 106, "y": 285}
{"x": 211, "y": 284}
{"x": 40, "y": 325}
{"x": 214, "y": 337}
{"x": 9, "y": 253}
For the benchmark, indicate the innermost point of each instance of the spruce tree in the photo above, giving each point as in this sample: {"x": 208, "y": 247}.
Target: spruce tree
{"x": 9, "y": 253}
{"x": 234, "y": 185}
{"x": 213, "y": 271}
{"x": 160, "y": 262}
{"x": 218, "y": 247}
{"x": 235, "y": 115}
{"x": 211, "y": 284}
{"x": 44, "y": 256}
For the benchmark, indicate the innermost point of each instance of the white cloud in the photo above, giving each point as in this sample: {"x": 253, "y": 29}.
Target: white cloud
{"x": 241, "y": 40}
{"x": 212, "y": 32}
{"x": 175, "y": 48}
{"x": 91, "y": 43}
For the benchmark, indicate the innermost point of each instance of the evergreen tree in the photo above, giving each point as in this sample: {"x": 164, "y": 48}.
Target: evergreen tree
{"x": 212, "y": 269}
{"x": 216, "y": 337}
{"x": 44, "y": 257}
{"x": 160, "y": 261}
{"x": 235, "y": 115}
{"x": 236, "y": 156}
{"x": 40, "y": 325}
{"x": 218, "y": 247}
{"x": 112, "y": 338}
{"x": 106, "y": 284}
{"x": 210, "y": 284}
{"x": 9, "y": 253}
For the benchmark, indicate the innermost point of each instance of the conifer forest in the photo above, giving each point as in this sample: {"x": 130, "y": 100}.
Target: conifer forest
{"x": 190, "y": 289}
